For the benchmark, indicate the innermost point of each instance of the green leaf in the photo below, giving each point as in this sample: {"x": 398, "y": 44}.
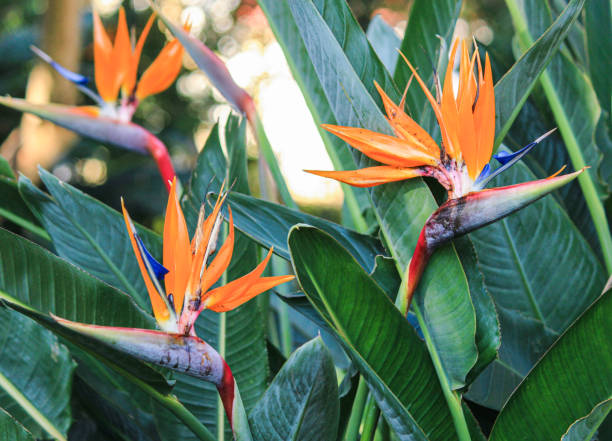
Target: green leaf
{"x": 585, "y": 428}
{"x": 378, "y": 339}
{"x": 598, "y": 24}
{"x": 268, "y": 224}
{"x": 427, "y": 21}
{"x": 488, "y": 334}
{"x": 514, "y": 87}
{"x": 11, "y": 430}
{"x": 533, "y": 286}
{"x": 384, "y": 41}
{"x": 401, "y": 208}
{"x": 574, "y": 105}
{"x": 238, "y": 335}
{"x": 567, "y": 384}
{"x": 35, "y": 376}
{"x": 90, "y": 234}
{"x": 34, "y": 280}
{"x": 13, "y": 207}
{"x": 302, "y": 401}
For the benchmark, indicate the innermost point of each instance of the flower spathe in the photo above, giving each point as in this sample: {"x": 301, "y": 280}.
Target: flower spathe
{"x": 190, "y": 270}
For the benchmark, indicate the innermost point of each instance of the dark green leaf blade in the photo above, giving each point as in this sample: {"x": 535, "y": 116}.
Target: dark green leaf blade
{"x": 572, "y": 379}
{"x": 11, "y": 430}
{"x": 268, "y": 224}
{"x": 302, "y": 401}
{"x": 34, "y": 280}
{"x": 35, "y": 376}
{"x": 533, "y": 286}
{"x": 514, "y": 87}
{"x": 90, "y": 234}
{"x": 380, "y": 341}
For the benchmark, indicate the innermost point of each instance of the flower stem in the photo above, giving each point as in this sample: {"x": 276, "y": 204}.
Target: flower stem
{"x": 453, "y": 400}
{"x": 585, "y": 180}
{"x": 352, "y": 428}
{"x": 371, "y": 415}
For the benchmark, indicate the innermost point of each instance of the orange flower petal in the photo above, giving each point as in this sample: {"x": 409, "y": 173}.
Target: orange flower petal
{"x": 104, "y": 67}
{"x": 160, "y": 311}
{"x": 236, "y": 292}
{"x": 162, "y": 72}
{"x": 405, "y": 127}
{"x": 484, "y": 118}
{"x": 221, "y": 260}
{"x": 177, "y": 250}
{"x": 259, "y": 286}
{"x": 371, "y": 176}
{"x": 122, "y": 52}
{"x": 383, "y": 148}
{"x": 446, "y": 139}
{"x": 130, "y": 78}
{"x": 449, "y": 108}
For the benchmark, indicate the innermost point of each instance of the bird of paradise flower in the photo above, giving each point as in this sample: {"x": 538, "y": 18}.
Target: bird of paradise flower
{"x": 461, "y": 166}
{"x": 189, "y": 271}
{"x": 119, "y": 92}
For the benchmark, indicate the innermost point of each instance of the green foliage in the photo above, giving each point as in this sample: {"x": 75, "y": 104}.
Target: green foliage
{"x": 510, "y": 317}
{"x": 302, "y": 401}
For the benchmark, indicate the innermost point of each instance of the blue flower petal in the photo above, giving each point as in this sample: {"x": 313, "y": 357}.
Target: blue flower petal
{"x": 507, "y": 160}
{"x": 412, "y": 319}
{"x": 158, "y": 269}
{"x": 68, "y": 74}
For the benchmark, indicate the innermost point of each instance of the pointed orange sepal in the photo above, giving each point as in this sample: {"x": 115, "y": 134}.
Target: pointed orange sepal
{"x": 129, "y": 81}
{"x": 105, "y": 74}
{"x": 221, "y": 260}
{"x": 162, "y": 72}
{"x": 383, "y": 148}
{"x": 177, "y": 250}
{"x": 239, "y": 291}
{"x": 405, "y": 127}
{"x": 371, "y": 176}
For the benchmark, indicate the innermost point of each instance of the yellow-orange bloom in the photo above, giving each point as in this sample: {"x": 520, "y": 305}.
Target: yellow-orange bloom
{"x": 186, "y": 271}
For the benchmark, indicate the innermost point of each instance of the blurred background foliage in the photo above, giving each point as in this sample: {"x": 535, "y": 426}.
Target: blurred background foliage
{"x": 184, "y": 114}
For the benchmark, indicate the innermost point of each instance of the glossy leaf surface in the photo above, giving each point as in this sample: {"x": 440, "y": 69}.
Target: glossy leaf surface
{"x": 403, "y": 381}
{"x": 302, "y": 401}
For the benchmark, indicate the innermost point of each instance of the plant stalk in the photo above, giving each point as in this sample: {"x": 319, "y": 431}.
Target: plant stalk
{"x": 352, "y": 428}
{"x": 371, "y": 415}
{"x": 585, "y": 180}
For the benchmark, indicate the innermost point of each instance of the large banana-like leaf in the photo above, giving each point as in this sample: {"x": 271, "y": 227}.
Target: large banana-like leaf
{"x": 514, "y": 87}
{"x": 302, "y": 402}
{"x": 11, "y": 430}
{"x": 401, "y": 208}
{"x": 238, "y": 335}
{"x": 576, "y": 374}
{"x": 574, "y": 105}
{"x": 535, "y": 287}
{"x": 377, "y": 337}
{"x": 597, "y": 23}
{"x": 35, "y": 376}
{"x": 90, "y": 234}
